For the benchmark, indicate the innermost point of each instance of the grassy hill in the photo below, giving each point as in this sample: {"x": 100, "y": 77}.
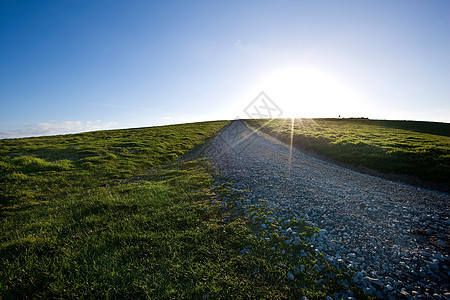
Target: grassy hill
{"x": 420, "y": 149}
{"x": 118, "y": 214}
{"x": 65, "y": 232}
{"x": 115, "y": 214}
{"x": 43, "y": 168}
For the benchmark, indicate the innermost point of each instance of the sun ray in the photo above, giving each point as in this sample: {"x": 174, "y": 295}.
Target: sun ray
{"x": 257, "y": 129}
{"x": 253, "y": 131}
{"x": 290, "y": 147}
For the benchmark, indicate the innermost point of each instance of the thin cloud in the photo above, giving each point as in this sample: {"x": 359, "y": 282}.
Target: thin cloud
{"x": 247, "y": 47}
{"x": 65, "y": 127}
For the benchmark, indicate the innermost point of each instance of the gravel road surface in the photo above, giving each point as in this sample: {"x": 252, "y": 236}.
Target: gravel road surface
{"x": 396, "y": 236}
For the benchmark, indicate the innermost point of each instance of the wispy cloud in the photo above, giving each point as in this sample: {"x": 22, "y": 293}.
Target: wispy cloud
{"x": 40, "y": 129}
{"x": 248, "y": 47}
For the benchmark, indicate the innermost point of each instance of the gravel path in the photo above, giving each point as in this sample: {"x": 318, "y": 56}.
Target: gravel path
{"x": 396, "y": 236}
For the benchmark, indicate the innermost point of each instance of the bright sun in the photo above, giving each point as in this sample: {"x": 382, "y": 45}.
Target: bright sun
{"x": 309, "y": 92}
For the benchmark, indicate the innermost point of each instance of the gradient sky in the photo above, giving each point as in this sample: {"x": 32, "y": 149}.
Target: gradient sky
{"x": 70, "y": 66}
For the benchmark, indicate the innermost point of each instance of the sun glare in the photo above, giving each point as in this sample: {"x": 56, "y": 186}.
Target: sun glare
{"x": 309, "y": 92}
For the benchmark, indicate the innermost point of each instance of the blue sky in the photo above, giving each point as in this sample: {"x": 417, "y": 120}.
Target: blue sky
{"x": 70, "y": 66}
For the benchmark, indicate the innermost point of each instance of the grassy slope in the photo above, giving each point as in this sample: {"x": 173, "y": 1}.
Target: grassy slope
{"x": 56, "y": 212}
{"x": 81, "y": 216}
{"x": 43, "y": 168}
{"x": 421, "y": 149}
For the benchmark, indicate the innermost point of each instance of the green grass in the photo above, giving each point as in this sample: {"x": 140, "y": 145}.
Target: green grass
{"x": 420, "y": 149}
{"x": 113, "y": 214}
{"x": 39, "y": 169}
